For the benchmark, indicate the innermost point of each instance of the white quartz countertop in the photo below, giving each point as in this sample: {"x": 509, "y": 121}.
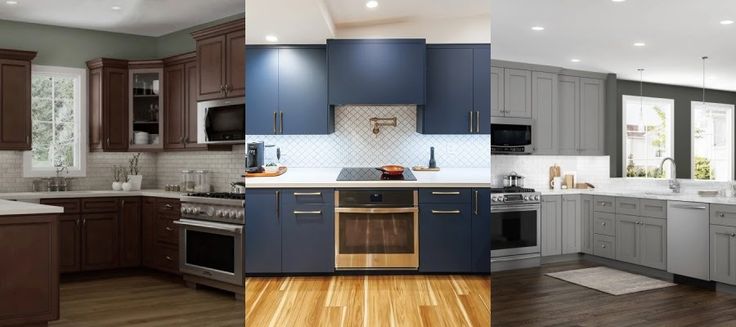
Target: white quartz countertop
{"x": 87, "y": 194}
{"x": 656, "y": 194}
{"x": 327, "y": 177}
{"x": 12, "y": 208}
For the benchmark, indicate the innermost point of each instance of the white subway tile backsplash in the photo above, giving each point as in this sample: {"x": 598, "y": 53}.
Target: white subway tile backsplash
{"x": 535, "y": 169}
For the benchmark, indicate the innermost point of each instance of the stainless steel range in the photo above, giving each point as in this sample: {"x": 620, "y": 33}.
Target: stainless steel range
{"x": 211, "y": 236}
{"x": 515, "y": 224}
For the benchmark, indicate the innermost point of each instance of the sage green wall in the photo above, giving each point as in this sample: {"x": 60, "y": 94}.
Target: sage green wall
{"x": 683, "y": 96}
{"x": 182, "y": 41}
{"x": 72, "y": 47}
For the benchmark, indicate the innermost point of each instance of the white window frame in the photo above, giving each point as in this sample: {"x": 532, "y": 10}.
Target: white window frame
{"x": 624, "y": 159}
{"x": 80, "y": 121}
{"x": 727, "y": 106}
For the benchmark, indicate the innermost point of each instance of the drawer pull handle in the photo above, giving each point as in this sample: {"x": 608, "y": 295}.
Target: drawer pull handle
{"x": 602, "y": 204}
{"x": 315, "y": 212}
{"x": 653, "y": 206}
{"x": 445, "y": 212}
{"x": 445, "y": 193}
{"x": 169, "y": 229}
{"x": 169, "y": 258}
{"x": 720, "y": 214}
{"x": 307, "y": 194}
{"x": 168, "y": 206}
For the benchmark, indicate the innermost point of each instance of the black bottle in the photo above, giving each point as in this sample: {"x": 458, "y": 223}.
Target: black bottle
{"x": 432, "y": 163}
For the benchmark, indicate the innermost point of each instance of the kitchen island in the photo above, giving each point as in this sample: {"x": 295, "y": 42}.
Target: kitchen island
{"x": 29, "y": 257}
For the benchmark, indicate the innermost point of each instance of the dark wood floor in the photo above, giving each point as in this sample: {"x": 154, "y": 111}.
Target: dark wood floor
{"x": 144, "y": 299}
{"x": 529, "y": 298}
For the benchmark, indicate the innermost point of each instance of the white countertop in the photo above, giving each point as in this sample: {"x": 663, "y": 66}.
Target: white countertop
{"x": 11, "y": 208}
{"x": 656, "y": 194}
{"x": 327, "y": 178}
{"x": 87, "y": 194}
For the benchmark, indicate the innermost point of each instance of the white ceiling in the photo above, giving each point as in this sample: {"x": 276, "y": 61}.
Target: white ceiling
{"x": 313, "y": 21}
{"x": 141, "y": 17}
{"x": 601, "y": 34}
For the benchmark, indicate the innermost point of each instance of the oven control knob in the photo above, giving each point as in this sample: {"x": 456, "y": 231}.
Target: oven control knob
{"x": 183, "y": 210}
{"x": 186, "y": 210}
{"x": 526, "y": 198}
{"x": 536, "y": 197}
{"x": 231, "y": 214}
{"x": 210, "y": 211}
{"x": 239, "y": 215}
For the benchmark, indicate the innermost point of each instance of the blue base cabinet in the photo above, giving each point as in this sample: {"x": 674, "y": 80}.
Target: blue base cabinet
{"x": 481, "y": 226}
{"x": 287, "y": 90}
{"x": 458, "y": 90}
{"x": 444, "y": 237}
{"x": 289, "y": 231}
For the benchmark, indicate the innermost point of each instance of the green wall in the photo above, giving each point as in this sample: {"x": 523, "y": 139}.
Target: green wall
{"x": 72, "y": 47}
{"x": 683, "y": 96}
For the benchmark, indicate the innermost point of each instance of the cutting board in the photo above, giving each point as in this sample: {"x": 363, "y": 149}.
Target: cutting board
{"x": 279, "y": 172}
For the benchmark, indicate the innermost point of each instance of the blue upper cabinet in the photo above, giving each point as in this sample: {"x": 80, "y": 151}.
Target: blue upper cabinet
{"x": 287, "y": 90}
{"x": 458, "y": 90}
{"x": 377, "y": 71}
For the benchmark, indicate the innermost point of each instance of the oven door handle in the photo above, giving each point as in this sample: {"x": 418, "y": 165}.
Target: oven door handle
{"x": 376, "y": 210}
{"x": 220, "y": 227}
{"x": 512, "y": 208}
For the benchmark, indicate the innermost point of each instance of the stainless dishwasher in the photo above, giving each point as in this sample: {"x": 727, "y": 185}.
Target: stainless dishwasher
{"x": 688, "y": 246}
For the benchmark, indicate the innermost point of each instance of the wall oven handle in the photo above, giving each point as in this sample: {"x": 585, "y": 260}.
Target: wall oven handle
{"x": 445, "y": 212}
{"x": 307, "y": 193}
{"x": 376, "y": 210}
{"x": 445, "y": 193}
{"x": 314, "y": 212}
{"x": 236, "y": 230}
{"x": 512, "y": 208}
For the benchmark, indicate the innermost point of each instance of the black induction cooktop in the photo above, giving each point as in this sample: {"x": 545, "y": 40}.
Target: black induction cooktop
{"x": 360, "y": 174}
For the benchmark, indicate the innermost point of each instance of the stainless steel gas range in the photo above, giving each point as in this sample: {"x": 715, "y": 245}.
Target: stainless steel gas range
{"x": 515, "y": 226}
{"x": 211, "y": 236}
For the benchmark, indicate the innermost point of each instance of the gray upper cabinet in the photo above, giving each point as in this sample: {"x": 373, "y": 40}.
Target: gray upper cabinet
{"x": 569, "y": 98}
{"x": 592, "y": 104}
{"x": 551, "y": 233}
{"x": 497, "y": 92}
{"x": 545, "y": 112}
{"x": 723, "y": 254}
{"x": 586, "y": 224}
{"x": 517, "y": 93}
{"x": 571, "y": 224}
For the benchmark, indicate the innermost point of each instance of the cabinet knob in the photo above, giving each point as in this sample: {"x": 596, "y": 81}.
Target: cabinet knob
{"x": 720, "y": 214}
{"x": 603, "y": 223}
{"x": 603, "y": 246}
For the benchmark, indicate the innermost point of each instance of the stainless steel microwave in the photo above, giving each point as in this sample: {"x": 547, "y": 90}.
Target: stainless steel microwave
{"x": 511, "y": 136}
{"x": 221, "y": 121}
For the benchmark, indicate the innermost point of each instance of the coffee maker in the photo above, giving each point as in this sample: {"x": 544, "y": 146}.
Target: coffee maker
{"x": 254, "y": 159}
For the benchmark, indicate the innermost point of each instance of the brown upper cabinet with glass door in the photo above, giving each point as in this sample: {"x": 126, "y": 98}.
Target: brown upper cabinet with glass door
{"x": 221, "y": 61}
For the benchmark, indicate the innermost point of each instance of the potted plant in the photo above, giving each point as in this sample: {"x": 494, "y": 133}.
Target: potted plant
{"x": 118, "y": 173}
{"x": 127, "y": 185}
{"x": 134, "y": 177}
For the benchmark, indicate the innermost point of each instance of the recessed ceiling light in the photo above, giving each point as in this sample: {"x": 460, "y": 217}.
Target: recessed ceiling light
{"x": 575, "y": 60}
{"x": 639, "y": 44}
{"x": 726, "y": 22}
{"x": 537, "y": 28}
{"x": 371, "y": 4}
{"x": 116, "y": 8}
{"x": 11, "y": 2}
{"x": 272, "y": 38}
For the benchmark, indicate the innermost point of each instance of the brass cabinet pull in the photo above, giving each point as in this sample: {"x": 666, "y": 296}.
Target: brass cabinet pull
{"x": 314, "y": 212}
{"x": 307, "y": 193}
{"x": 445, "y": 212}
{"x": 445, "y": 193}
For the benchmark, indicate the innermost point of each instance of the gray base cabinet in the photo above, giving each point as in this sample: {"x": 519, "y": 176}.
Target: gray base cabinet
{"x": 641, "y": 240}
{"x": 604, "y": 246}
{"x": 551, "y": 233}
{"x": 723, "y": 254}
{"x": 586, "y": 224}
{"x": 571, "y": 224}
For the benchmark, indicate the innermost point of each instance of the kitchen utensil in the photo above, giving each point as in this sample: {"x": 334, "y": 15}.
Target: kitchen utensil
{"x": 392, "y": 170}
{"x": 556, "y": 183}
{"x": 570, "y": 180}
{"x": 432, "y": 162}
{"x": 237, "y": 187}
{"x": 424, "y": 168}
{"x": 255, "y": 157}
{"x": 584, "y": 186}
{"x": 554, "y": 171}
{"x": 513, "y": 180}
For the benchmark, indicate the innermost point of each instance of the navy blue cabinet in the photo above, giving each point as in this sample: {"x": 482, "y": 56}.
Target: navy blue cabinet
{"x": 444, "y": 237}
{"x": 287, "y": 90}
{"x": 481, "y": 226}
{"x": 262, "y": 231}
{"x": 308, "y": 231}
{"x": 377, "y": 71}
{"x": 458, "y": 90}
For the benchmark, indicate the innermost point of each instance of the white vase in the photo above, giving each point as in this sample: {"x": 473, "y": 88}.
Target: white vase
{"x": 127, "y": 186}
{"x": 117, "y": 186}
{"x": 135, "y": 182}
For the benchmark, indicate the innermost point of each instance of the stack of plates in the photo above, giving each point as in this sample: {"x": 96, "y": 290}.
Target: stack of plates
{"x": 140, "y": 137}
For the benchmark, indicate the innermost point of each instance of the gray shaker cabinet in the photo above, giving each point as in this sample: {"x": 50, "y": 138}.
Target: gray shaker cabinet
{"x": 627, "y": 239}
{"x": 592, "y": 104}
{"x": 586, "y": 224}
{"x": 569, "y": 98}
{"x": 653, "y": 238}
{"x": 723, "y": 254}
{"x": 545, "y": 112}
{"x": 551, "y": 217}
{"x": 497, "y": 85}
{"x": 571, "y": 224}
{"x": 517, "y": 93}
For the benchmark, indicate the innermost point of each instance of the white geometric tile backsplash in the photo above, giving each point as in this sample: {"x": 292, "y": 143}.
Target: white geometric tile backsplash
{"x": 354, "y": 145}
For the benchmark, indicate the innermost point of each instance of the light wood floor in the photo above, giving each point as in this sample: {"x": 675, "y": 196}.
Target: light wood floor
{"x": 400, "y": 300}
{"x": 144, "y": 300}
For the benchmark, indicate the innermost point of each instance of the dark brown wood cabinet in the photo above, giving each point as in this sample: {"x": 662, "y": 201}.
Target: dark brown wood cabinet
{"x": 15, "y": 99}
{"x": 69, "y": 233}
{"x": 130, "y": 232}
{"x": 160, "y": 234}
{"x": 100, "y": 241}
{"x": 148, "y": 227}
{"x": 221, "y": 60}
{"x": 29, "y": 277}
{"x": 180, "y": 91}
{"x": 108, "y": 105}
